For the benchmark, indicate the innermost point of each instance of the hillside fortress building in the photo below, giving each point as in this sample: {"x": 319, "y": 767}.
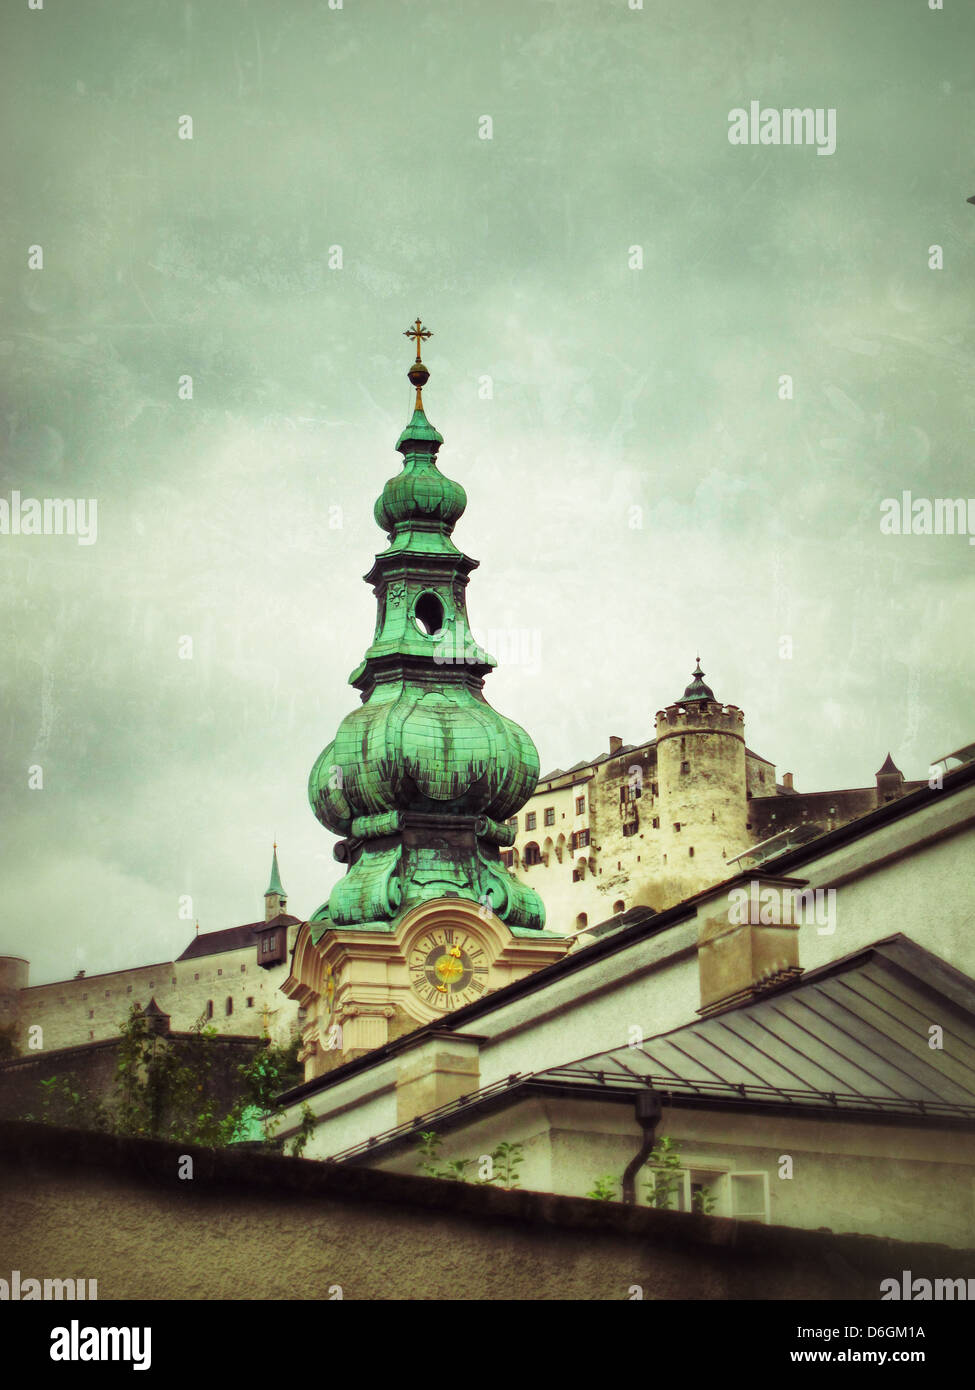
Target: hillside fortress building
{"x": 653, "y": 823}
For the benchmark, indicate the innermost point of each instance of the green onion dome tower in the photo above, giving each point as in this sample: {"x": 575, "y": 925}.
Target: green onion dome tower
{"x": 420, "y": 779}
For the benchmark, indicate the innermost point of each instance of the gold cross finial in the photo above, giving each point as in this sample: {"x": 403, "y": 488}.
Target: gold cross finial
{"x": 418, "y": 332}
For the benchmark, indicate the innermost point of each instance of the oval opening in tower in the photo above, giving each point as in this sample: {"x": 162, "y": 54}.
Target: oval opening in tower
{"x": 429, "y": 614}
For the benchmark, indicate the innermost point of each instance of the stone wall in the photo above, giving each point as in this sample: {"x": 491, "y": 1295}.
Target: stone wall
{"x": 252, "y": 1227}
{"x": 93, "y": 1068}
{"x": 90, "y": 1009}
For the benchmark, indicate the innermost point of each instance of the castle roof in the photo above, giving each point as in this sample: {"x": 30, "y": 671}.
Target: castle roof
{"x": 888, "y": 766}
{"x": 214, "y": 943}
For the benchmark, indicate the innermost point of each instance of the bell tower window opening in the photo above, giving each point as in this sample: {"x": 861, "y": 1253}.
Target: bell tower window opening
{"x": 428, "y": 614}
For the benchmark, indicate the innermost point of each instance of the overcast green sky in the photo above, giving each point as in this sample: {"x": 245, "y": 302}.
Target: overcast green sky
{"x": 613, "y": 389}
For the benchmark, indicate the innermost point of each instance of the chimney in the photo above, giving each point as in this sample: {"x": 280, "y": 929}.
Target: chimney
{"x": 436, "y": 1069}
{"x": 787, "y": 781}
{"x": 615, "y": 744}
{"x": 750, "y": 947}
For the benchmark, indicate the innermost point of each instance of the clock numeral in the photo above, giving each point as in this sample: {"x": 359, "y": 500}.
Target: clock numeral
{"x": 476, "y": 984}
{"x": 476, "y": 954}
{"x": 448, "y": 936}
{"x": 480, "y": 970}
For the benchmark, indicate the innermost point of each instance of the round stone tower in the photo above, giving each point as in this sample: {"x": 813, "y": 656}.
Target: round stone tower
{"x": 702, "y": 796}
{"x": 14, "y": 974}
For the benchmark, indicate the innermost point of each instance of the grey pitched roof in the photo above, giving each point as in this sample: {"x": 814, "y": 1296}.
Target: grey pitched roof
{"x": 852, "y": 1035}
{"x": 213, "y": 943}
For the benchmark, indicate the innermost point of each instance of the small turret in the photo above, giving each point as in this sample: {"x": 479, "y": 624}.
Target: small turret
{"x": 890, "y": 782}
{"x": 275, "y": 899}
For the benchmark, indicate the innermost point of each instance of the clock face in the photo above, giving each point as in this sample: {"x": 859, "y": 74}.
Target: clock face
{"x": 448, "y": 967}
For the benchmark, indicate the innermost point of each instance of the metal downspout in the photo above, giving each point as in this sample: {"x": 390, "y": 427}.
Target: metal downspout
{"x": 648, "y": 1112}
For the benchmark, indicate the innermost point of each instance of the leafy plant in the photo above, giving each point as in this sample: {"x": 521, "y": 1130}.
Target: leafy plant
{"x": 665, "y": 1176}
{"x": 164, "y": 1088}
{"x": 505, "y": 1160}
{"x": 665, "y": 1181}
{"x": 305, "y": 1130}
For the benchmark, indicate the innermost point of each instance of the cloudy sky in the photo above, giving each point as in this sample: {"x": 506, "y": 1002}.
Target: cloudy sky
{"x": 638, "y": 490}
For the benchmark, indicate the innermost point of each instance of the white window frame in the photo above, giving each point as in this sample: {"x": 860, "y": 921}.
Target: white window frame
{"x": 720, "y": 1178}
{"x": 762, "y": 1217}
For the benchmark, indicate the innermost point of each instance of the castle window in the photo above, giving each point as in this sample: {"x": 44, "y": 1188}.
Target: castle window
{"x": 619, "y": 906}
{"x": 685, "y": 767}
{"x": 580, "y": 805}
{"x": 677, "y": 825}
{"x": 507, "y": 857}
{"x": 580, "y": 838}
{"x": 196, "y": 976}
{"x": 250, "y": 1001}
{"x": 91, "y": 1013}
{"x": 582, "y": 920}
{"x": 761, "y": 776}
{"x": 653, "y": 789}
{"x": 691, "y": 852}
{"x": 656, "y": 822}
{"x": 533, "y": 854}
{"x": 90, "y": 1035}
{"x": 209, "y": 1008}
{"x": 513, "y": 822}
{"x": 530, "y": 820}
{"x": 108, "y": 994}
{"x": 243, "y": 968}
{"x": 230, "y": 1006}
{"x": 549, "y": 815}
{"x": 219, "y": 972}
{"x": 174, "y": 979}
{"x": 128, "y": 989}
